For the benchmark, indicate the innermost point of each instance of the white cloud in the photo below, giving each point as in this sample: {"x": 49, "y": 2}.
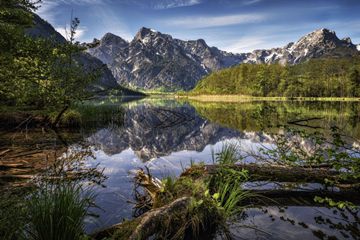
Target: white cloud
{"x": 111, "y": 21}
{"x": 64, "y": 31}
{"x": 263, "y": 38}
{"x": 215, "y": 21}
{"x": 162, "y": 4}
{"x": 48, "y": 8}
{"x": 250, "y": 2}
{"x": 246, "y": 44}
{"x": 165, "y": 4}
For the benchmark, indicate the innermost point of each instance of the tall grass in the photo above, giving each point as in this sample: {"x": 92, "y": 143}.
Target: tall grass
{"x": 12, "y": 215}
{"x": 228, "y": 155}
{"x": 57, "y": 212}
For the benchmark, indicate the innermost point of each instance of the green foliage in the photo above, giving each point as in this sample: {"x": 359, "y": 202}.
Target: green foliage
{"x": 39, "y": 72}
{"x": 71, "y": 118}
{"x": 228, "y": 155}
{"x": 12, "y": 215}
{"x": 214, "y": 200}
{"x": 300, "y": 147}
{"x": 58, "y": 212}
{"x": 332, "y": 203}
{"x": 314, "y": 78}
{"x": 226, "y": 184}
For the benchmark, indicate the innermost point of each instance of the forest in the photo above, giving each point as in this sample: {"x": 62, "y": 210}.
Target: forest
{"x": 326, "y": 77}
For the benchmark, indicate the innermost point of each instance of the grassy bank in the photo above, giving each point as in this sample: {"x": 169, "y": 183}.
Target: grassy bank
{"x": 88, "y": 114}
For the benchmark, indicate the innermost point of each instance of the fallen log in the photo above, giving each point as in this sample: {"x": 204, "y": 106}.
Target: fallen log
{"x": 283, "y": 197}
{"x": 277, "y": 173}
{"x": 150, "y": 222}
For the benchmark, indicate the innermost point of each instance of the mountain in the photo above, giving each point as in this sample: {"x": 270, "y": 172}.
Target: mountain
{"x": 154, "y": 60}
{"x": 106, "y": 80}
{"x": 319, "y": 43}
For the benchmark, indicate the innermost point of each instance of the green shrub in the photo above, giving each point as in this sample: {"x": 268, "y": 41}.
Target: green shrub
{"x": 71, "y": 118}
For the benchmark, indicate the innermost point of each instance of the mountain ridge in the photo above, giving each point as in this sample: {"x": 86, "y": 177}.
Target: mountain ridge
{"x": 153, "y": 60}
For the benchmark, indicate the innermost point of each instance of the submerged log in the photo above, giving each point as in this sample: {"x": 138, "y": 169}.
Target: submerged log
{"x": 283, "y": 197}
{"x": 277, "y": 173}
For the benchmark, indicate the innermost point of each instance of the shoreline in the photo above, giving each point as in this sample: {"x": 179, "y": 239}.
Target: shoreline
{"x": 244, "y": 98}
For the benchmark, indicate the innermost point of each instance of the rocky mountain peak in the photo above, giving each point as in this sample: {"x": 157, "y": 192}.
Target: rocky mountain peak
{"x": 320, "y": 36}
{"x": 201, "y": 42}
{"x": 144, "y": 33}
{"x": 347, "y": 40}
{"x": 151, "y": 38}
{"x": 110, "y": 38}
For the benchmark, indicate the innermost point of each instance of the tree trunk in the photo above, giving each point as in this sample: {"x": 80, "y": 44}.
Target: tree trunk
{"x": 58, "y": 117}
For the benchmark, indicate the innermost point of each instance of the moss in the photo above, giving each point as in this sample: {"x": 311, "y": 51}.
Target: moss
{"x": 126, "y": 229}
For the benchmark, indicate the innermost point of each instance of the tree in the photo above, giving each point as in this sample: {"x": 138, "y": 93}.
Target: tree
{"x": 40, "y": 73}
{"x": 15, "y": 16}
{"x": 354, "y": 78}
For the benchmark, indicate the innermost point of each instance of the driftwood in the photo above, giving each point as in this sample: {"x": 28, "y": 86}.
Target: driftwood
{"x": 12, "y": 176}
{"x": 278, "y": 173}
{"x": 12, "y": 165}
{"x": 4, "y": 152}
{"x": 25, "y": 154}
{"x": 150, "y": 221}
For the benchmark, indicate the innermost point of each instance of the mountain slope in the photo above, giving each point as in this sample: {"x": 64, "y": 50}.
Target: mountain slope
{"x": 106, "y": 80}
{"x": 155, "y": 60}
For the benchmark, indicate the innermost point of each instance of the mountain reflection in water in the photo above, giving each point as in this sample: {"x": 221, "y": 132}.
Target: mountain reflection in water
{"x": 167, "y": 136}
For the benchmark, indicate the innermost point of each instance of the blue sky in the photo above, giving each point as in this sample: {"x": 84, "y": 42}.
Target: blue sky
{"x": 231, "y": 25}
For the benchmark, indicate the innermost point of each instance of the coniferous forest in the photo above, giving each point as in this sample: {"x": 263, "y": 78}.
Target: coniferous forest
{"x": 326, "y": 77}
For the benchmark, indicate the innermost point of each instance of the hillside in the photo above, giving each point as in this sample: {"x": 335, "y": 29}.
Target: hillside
{"x": 326, "y": 77}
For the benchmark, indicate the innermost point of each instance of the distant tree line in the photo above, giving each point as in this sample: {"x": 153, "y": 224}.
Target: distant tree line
{"x": 328, "y": 77}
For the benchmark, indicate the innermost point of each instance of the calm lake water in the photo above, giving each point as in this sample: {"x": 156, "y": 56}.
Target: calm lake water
{"x": 167, "y": 135}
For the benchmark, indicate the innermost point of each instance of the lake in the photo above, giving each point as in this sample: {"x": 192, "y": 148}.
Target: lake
{"x": 167, "y": 136}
